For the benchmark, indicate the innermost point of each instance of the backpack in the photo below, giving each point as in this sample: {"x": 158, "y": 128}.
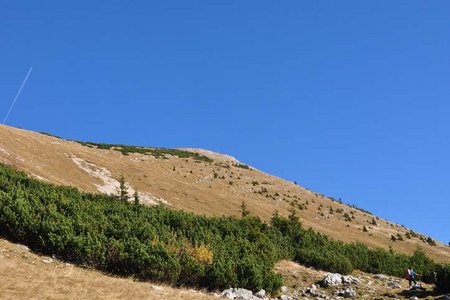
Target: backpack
{"x": 407, "y": 274}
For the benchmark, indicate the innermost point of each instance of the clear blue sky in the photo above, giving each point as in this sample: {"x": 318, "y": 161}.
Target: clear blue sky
{"x": 348, "y": 98}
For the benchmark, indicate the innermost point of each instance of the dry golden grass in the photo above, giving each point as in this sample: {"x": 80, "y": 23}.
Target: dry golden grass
{"x": 216, "y": 188}
{"x": 25, "y": 275}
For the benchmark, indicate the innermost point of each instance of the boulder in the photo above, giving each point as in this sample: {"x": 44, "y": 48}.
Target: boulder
{"x": 347, "y": 293}
{"x": 23, "y": 247}
{"x": 47, "y": 260}
{"x": 312, "y": 290}
{"x": 331, "y": 279}
{"x": 350, "y": 280}
{"x": 394, "y": 285}
{"x": 337, "y": 279}
{"x": 157, "y": 287}
{"x": 381, "y": 276}
{"x": 261, "y": 294}
{"x": 238, "y": 294}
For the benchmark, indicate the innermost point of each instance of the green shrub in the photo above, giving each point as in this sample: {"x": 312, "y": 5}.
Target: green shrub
{"x": 325, "y": 260}
{"x": 423, "y": 265}
{"x": 347, "y": 217}
{"x": 149, "y": 243}
{"x": 443, "y": 278}
{"x": 242, "y": 166}
{"x": 175, "y": 246}
{"x": 156, "y": 152}
{"x": 430, "y": 241}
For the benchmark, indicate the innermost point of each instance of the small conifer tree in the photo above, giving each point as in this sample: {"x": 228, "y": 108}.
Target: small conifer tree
{"x": 136, "y": 198}
{"x": 244, "y": 210}
{"x": 293, "y": 217}
{"x": 123, "y": 189}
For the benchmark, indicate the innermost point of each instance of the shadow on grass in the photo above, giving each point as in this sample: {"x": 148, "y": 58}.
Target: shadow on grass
{"x": 419, "y": 293}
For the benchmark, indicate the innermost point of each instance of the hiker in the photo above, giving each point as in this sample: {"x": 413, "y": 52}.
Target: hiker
{"x": 410, "y": 274}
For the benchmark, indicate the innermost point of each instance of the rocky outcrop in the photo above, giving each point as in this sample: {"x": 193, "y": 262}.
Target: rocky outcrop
{"x": 243, "y": 294}
{"x": 238, "y": 294}
{"x": 350, "y": 280}
{"x": 337, "y": 286}
{"x": 337, "y": 279}
{"x": 331, "y": 279}
{"x": 381, "y": 276}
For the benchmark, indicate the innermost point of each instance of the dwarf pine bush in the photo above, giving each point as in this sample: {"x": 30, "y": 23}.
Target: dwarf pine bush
{"x": 443, "y": 278}
{"x": 177, "y": 247}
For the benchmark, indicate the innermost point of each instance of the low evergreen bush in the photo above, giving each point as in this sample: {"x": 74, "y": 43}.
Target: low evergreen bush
{"x": 178, "y": 247}
{"x": 443, "y": 278}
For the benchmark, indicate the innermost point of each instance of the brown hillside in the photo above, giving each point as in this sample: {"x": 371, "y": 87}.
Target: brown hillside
{"x": 25, "y": 275}
{"x": 214, "y": 187}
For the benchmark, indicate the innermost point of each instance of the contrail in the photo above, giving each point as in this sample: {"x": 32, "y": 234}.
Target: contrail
{"x": 17, "y": 95}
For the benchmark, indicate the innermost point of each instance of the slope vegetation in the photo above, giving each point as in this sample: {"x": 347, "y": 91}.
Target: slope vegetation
{"x": 25, "y": 275}
{"x": 172, "y": 246}
{"x": 202, "y": 182}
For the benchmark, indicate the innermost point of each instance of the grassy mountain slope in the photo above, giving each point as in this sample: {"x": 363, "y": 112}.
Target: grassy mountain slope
{"x": 25, "y": 275}
{"x": 186, "y": 180}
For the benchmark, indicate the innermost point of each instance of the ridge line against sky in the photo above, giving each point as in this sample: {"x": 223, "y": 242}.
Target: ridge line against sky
{"x": 348, "y": 99}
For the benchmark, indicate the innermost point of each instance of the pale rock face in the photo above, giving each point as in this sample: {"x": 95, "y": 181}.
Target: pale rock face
{"x": 47, "y": 260}
{"x": 238, "y": 294}
{"x": 331, "y": 279}
{"x": 338, "y": 279}
{"x": 110, "y": 185}
{"x": 23, "y": 247}
{"x": 381, "y": 276}
{"x": 350, "y": 280}
{"x": 261, "y": 294}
